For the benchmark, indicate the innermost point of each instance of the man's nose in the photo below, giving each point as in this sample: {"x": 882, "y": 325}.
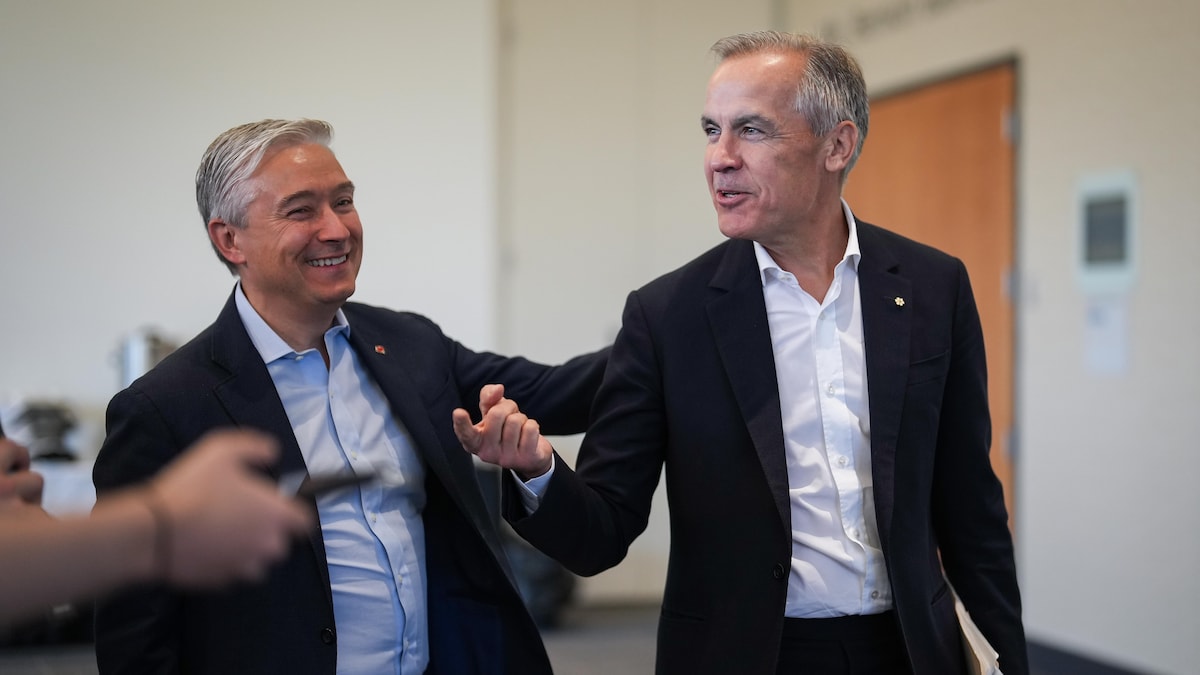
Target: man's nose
{"x": 332, "y": 227}
{"x": 723, "y": 154}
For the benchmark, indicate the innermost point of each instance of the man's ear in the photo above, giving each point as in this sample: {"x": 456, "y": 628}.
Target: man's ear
{"x": 224, "y": 238}
{"x": 842, "y": 142}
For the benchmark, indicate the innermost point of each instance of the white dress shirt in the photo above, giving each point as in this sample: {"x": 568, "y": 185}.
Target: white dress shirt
{"x": 837, "y": 564}
{"x": 374, "y": 536}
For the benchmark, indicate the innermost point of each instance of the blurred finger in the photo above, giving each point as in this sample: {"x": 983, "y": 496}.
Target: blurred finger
{"x": 29, "y": 487}
{"x": 252, "y": 448}
{"x": 254, "y": 570}
{"x": 13, "y": 457}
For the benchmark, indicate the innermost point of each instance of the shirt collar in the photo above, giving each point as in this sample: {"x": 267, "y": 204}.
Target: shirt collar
{"x": 268, "y": 343}
{"x": 767, "y": 267}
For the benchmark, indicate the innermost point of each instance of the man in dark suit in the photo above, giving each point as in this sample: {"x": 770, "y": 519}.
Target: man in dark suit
{"x": 405, "y": 573}
{"x": 816, "y": 391}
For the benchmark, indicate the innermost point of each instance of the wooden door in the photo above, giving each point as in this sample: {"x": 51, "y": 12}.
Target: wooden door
{"x": 938, "y": 166}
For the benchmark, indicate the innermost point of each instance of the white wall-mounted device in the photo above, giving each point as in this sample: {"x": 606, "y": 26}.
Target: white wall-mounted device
{"x": 1107, "y": 217}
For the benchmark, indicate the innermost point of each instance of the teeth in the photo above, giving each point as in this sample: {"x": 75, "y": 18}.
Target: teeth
{"x": 324, "y": 262}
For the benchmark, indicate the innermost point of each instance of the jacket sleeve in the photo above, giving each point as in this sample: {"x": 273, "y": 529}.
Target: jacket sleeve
{"x": 968, "y": 499}
{"x": 135, "y": 630}
{"x": 558, "y": 397}
{"x": 590, "y": 516}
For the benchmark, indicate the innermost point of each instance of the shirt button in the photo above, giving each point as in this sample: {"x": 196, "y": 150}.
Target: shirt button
{"x": 874, "y": 595}
{"x": 842, "y": 461}
{"x": 830, "y": 390}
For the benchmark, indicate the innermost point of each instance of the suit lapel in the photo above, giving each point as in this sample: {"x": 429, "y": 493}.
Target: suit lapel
{"x": 249, "y": 397}
{"x": 887, "y": 326}
{"x": 248, "y": 394}
{"x": 384, "y": 356}
{"x": 392, "y": 362}
{"x": 738, "y": 318}
{"x": 392, "y": 359}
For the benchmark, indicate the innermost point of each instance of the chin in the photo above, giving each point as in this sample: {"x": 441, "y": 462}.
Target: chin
{"x": 338, "y": 296}
{"x": 735, "y": 230}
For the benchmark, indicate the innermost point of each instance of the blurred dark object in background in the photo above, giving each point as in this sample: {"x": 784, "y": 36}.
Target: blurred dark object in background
{"x": 545, "y": 586}
{"x": 61, "y": 625}
{"x": 42, "y": 427}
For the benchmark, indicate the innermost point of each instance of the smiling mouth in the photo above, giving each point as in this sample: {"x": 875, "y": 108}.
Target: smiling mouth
{"x": 326, "y": 262}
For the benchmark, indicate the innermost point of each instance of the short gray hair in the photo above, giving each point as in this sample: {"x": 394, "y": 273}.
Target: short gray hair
{"x": 223, "y": 187}
{"x": 833, "y": 89}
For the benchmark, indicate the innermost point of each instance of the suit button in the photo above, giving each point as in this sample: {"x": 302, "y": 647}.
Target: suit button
{"x": 778, "y": 571}
{"x": 327, "y": 636}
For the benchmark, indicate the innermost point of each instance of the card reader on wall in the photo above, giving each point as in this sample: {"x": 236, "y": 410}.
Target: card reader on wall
{"x": 1107, "y": 216}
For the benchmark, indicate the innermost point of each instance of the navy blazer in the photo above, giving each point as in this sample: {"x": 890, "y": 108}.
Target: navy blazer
{"x": 285, "y": 624}
{"x": 691, "y": 387}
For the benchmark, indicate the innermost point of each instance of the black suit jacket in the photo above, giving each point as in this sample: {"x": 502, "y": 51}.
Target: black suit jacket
{"x": 285, "y": 625}
{"x": 691, "y": 386}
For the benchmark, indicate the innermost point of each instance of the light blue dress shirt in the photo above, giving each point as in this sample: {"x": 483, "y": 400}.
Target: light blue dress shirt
{"x": 374, "y": 536}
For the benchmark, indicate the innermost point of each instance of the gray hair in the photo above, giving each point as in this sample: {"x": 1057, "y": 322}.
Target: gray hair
{"x": 833, "y": 89}
{"x": 223, "y": 186}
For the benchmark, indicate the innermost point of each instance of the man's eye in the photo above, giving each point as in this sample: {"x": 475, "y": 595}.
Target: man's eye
{"x": 299, "y": 212}
{"x": 711, "y": 132}
{"x": 751, "y": 131}
{"x": 344, "y": 202}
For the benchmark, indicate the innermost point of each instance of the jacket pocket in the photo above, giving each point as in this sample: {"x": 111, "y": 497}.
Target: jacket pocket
{"x": 929, "y": 369}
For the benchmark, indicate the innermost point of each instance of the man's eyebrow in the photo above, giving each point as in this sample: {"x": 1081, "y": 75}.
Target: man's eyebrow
{"x": 302, "y": 195}
{"x": 752, "y": 121}
{"x": 739, "y": 122}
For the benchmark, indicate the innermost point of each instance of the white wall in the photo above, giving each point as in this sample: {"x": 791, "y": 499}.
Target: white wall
{"x": 105, "y": 109}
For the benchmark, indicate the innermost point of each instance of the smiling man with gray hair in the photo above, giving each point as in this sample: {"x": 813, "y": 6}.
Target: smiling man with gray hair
{"x": 404, "y": 575}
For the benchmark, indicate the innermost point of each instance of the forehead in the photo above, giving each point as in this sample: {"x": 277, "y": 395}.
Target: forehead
{"x": 765, "y": 82}
{"x": 303, "y": 162}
